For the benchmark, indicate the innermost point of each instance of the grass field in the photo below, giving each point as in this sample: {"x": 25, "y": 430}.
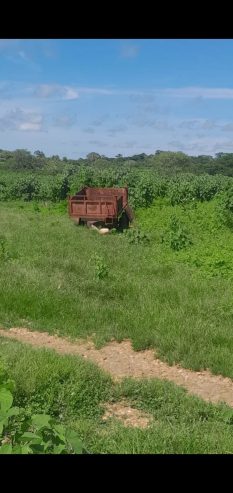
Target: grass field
{"x": 178, "y": 302}
{"x": 152, "y": 295}
{"x": 75, "y": 391}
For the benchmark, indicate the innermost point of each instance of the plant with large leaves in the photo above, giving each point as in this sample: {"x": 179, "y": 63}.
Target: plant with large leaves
{"x": 32, "y": 434}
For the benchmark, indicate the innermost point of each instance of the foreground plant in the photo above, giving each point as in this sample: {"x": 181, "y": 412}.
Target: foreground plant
{"x": 176, "y": 237}
{"x": 22, "y": 433}
{"x": 101, "y": 268}
{"x": 136, "y": 237}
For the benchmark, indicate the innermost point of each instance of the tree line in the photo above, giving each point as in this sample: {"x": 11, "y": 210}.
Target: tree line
{"x": 165, "y": 162}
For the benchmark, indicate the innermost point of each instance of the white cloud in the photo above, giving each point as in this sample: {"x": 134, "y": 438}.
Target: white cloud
{"x": 19, "y": 119}
{"x": 23, "y": 55}
{"x": 46, "y": 90}
{"x": 228, "y": 127}
{"x": 209, "y": 124}
{"x": 199, "y": 92}
{"x": 56, "y": 90}
{"x": 139, "y": 96}
{"x": 129, "y": 51}
{"x": 144, "y": 98}
{"x": 29, "y": 126}
{"x": 189, "y": 124}
{"x": 71, "y": 93}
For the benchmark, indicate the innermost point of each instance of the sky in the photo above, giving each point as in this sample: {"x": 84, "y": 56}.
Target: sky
{"x": 114, "y": 96}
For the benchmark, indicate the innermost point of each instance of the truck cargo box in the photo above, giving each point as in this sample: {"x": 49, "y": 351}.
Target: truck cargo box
{"x": 106, "y": 206}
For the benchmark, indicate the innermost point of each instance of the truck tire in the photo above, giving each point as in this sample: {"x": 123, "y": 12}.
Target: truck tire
{"x": 123, "y": 221}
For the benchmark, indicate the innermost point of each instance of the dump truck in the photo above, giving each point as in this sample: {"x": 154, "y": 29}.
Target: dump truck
{"x": 101, "y": 207}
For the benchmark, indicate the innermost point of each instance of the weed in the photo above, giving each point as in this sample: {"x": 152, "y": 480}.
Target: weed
{"x": 25, "y": 433}
{"x": 4, "y": 253}
{"x": 101, "y": 268}
{"x": 137, "y": 237}
{"x": 177, "y": 236}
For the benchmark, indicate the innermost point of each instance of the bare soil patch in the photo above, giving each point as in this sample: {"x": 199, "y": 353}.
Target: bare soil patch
{"x": 120, "y": 360}
{"x": 128, "y": 415}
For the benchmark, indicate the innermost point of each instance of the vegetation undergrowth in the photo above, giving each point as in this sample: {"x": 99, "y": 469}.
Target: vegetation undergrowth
{"x": 176, "y": 301}
{"x": 61, "y": 402}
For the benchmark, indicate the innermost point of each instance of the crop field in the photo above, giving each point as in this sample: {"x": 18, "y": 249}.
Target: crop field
{"x": 165, "y": 285}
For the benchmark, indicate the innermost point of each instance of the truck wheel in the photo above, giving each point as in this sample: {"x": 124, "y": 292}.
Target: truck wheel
{"x": 123, "y": 222}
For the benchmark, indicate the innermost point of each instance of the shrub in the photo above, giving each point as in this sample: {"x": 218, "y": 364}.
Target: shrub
{"x": 143, "y": 194}
{"x": 3, "y": 190}
{"x": 225, "y": 207}
{"x": 101, "y": 268}
{"x": 180, "y": 192}
{"x": 137, "y": 237}
{"x": 61, "y": 189}
{"x": 23, "y": 433}
{"x": 26, "y": 188}
{"x": 4, "y": 254}
{"x": 176, "y": 236}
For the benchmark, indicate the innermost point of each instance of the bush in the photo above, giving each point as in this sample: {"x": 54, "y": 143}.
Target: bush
{"x": 181, "y": 192}
{"x": 176, "y": 236}
{"x": 61, "y": 189}
{"x": 26, "y": 188}
{"x": 101, "y": 268}
{"x": 25, "y": 433}
{"x": 3, "y": 190}
{"x": 4, "y": 254}
{"x": 143, "y": 194}
{"x": 137, "y": 237}
{"x": 225, "y": 207}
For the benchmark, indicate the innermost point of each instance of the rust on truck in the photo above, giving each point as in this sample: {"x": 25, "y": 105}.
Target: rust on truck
{"x": 104, "y": 206}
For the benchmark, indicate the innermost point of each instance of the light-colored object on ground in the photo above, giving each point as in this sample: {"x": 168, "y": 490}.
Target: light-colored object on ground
{"x": 104, "y": 231}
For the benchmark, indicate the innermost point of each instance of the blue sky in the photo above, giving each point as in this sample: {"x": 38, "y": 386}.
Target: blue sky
{"x": 71, "y": 97}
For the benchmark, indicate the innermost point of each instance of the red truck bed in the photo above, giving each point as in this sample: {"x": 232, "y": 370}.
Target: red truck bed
{"x": 104, "y": 205}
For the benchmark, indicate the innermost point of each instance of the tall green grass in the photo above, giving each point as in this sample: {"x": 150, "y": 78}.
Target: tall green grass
{"x": 154, "y": 296}
{"x": 74, "y": 391}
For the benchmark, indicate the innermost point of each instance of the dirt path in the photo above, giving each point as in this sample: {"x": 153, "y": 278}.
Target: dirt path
{"x": 121, "y": 361}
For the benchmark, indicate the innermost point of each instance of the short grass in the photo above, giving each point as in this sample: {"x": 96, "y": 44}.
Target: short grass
{"x": 155, "y": 297}
{"x": 74, "y": 391}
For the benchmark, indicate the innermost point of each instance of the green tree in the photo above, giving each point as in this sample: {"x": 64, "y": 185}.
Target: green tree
{"x": 93, "y": 156}
{"x": 22, "y": 159}
{"x": 39, "y": 154}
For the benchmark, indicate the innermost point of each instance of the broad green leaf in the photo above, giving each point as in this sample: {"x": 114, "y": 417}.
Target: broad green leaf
{"x": 37, "y": 448}
{"x": 3, "y": 422}
{"x": 10, "y": 385}
{"x": 59, "y": 449}
{"x": 1, "y": 427}
{"x": 25, "y": 449}
{"x": 6, "y": 399}
{"x": 46, "y": 445}
{"x": 60, "y": 431}
{"x": 74, "y": 441}
{"x": 17, "y": 449}
{"x": 6, "y": 448}
{"x": 41, "y": 420}
{"x": 14, "y": 411}
{"x": 31, "y": 437}
{"x": 21, "y": 449}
